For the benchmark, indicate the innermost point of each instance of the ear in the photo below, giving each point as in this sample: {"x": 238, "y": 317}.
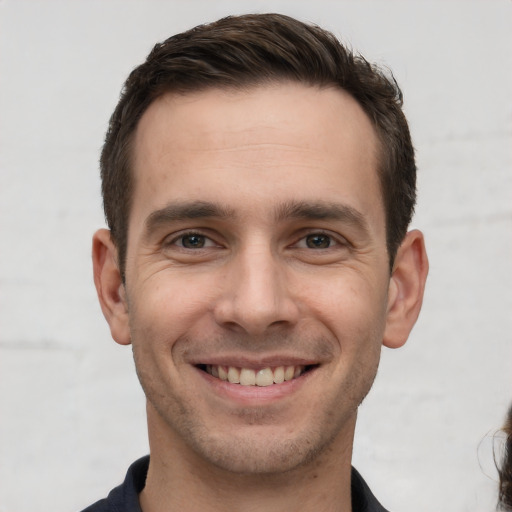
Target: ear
{"x": 109, "y": 286}
{"x": 406, "y": 288}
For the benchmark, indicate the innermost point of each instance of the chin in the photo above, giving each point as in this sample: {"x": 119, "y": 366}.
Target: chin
{"x": 260, "y": 453}
{"x": 249, "y": 458}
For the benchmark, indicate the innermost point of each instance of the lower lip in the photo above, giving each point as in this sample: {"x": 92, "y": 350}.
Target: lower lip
{"x": 255, "y": 395}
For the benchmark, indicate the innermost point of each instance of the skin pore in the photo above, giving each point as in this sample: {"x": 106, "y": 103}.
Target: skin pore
{"x": 257, "y": 241}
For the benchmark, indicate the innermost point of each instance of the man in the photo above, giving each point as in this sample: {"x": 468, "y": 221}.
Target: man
{"x": 258, "y": 181}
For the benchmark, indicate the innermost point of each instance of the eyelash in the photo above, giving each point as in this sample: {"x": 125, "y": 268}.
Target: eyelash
{"x": 190, "y": 234}
{"x": 334, "y": 241}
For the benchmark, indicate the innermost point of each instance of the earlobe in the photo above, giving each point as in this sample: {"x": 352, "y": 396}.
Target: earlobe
{"x": 406, "y": 288}
{"x": 109, "y": 286}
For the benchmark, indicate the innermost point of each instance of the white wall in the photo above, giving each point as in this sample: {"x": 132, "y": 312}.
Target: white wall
{"x": 71, "y": 413}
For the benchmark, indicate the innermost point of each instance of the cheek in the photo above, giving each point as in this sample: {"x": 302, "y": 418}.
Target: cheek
{"x": 354, "y": 311}
{"x": 349, "y": 299}
{"x": 169, "y": 301}
{"x": 164, "y": 311}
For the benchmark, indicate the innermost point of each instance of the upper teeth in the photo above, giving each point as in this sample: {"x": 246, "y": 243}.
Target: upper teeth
{"x": 250, "y": 377}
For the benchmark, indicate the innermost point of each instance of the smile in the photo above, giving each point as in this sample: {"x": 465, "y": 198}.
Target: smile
{"x": 250, "y": 377}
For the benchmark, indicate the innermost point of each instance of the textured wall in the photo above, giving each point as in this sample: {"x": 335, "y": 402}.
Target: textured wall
{"x": 71, "y": 413}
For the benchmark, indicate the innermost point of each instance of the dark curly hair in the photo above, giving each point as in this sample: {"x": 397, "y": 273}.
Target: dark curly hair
{"x": 255, "y": 49}
{"x": 505, "y": 468}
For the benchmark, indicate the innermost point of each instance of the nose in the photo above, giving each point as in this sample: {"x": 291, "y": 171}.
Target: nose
{"x": 256, "y": 293}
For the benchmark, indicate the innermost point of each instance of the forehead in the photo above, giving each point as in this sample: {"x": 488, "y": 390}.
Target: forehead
{"x": 272, "y": 143}
{"x": 222, "y": 117}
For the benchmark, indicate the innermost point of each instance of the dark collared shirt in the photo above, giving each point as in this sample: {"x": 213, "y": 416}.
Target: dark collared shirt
{"x": 125, "y": 498}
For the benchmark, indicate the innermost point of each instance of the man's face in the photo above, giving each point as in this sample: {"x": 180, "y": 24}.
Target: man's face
{"x": 256, "y": 252}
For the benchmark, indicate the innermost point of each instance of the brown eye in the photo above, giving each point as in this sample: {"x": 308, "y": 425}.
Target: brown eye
{"x": 193, "y": 241}
{"x": 318, "y": 241}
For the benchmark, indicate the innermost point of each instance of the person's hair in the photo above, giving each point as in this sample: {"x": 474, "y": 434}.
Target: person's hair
{"x": 505, "y": 468}
{"x": 242, "y": 51}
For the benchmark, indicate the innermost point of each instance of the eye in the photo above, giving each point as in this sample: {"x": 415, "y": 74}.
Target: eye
{"x": 193, "y": 241}
{"x": 317, "y": 241}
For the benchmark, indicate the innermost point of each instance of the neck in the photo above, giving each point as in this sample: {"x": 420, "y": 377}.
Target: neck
{"x": 179, "y": 479}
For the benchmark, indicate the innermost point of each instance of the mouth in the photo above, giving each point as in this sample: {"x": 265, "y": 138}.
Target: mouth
{"x": 262, "y": 377}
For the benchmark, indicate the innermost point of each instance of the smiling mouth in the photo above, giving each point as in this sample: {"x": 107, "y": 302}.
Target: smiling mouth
{"x": 249, "y": 377}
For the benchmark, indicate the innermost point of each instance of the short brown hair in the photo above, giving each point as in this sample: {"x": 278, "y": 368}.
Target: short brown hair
{"x": 254, "y": 49}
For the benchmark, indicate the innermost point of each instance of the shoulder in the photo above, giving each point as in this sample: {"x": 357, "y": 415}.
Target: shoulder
{"x": 363, "y": 499}
{"x": 125, "y": 497}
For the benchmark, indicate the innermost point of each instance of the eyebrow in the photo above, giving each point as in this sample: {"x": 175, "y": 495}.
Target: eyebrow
{"x": 186, "y": 211}
{"x": 322, "y": 211}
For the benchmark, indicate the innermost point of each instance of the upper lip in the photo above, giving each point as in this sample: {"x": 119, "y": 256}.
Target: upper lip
{"x": 244, "y": 361}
